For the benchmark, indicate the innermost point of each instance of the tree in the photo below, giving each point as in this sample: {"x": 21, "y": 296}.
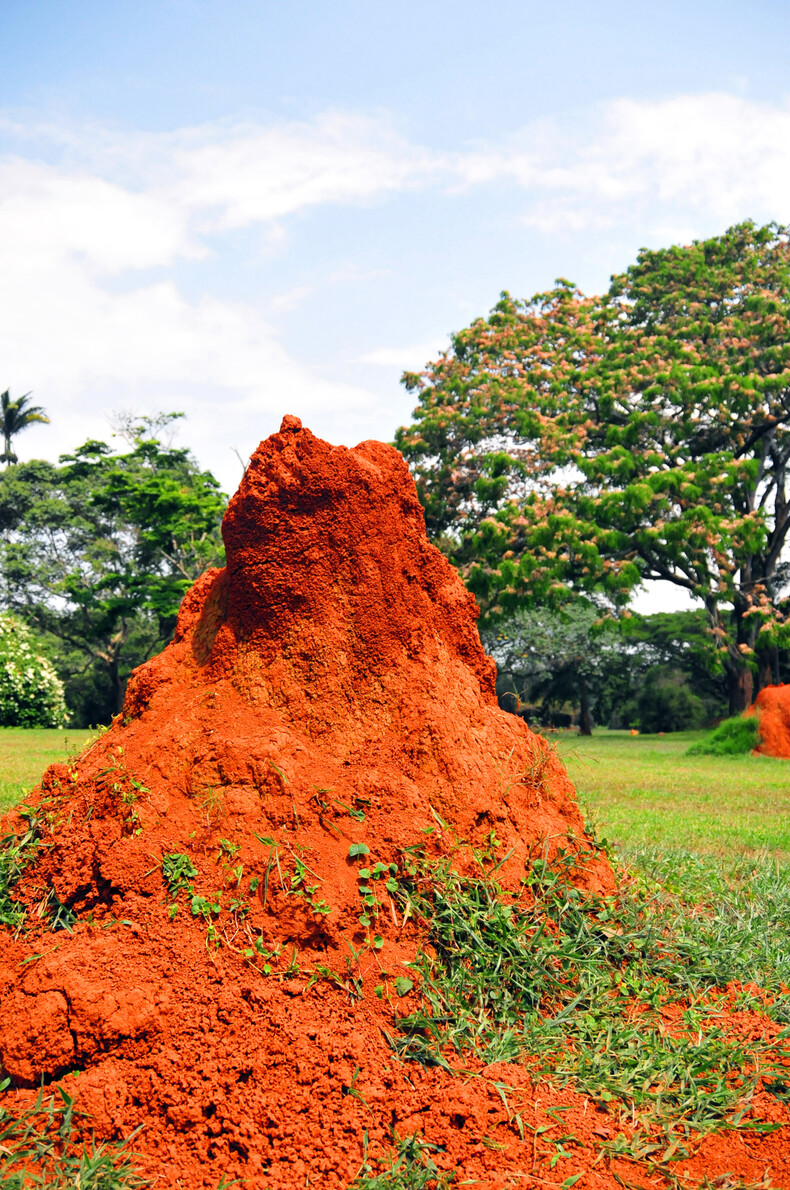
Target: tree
{"x": 99, "y": 551}
{"x": 14, "y": 417}
{"x": 559, "y": 656}
{"x": 666, "y": 702}
{"x": 31, "y": 694}
{"x": 569, "y": 444}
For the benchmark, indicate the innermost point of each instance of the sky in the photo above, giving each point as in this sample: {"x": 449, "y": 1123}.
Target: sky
{"x": 244, "y": 208}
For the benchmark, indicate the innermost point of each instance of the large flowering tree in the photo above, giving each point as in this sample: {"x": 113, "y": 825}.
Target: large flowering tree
{"x": 570, "y": 444}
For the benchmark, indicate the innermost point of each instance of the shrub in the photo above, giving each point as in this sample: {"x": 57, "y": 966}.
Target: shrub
{"x": 31, "y": 693}
{"x": 731, "y": 738}
{"x": 667, "y": 702}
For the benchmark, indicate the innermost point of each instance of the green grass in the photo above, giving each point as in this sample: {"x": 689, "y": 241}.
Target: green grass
{"x": 645, "y": 791}
{"x": 580, "y": 989}
{"x": 410, "y": 1168}
{"x": 39, "y": 1147}
{"x": 26, "y": 751}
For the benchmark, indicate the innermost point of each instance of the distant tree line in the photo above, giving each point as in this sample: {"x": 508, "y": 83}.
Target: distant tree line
{"x": 97, "y": 551}
{"x": 658, "y": 672}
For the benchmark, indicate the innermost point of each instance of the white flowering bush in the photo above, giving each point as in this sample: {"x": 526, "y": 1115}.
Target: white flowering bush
{"x": 31, "y": 693}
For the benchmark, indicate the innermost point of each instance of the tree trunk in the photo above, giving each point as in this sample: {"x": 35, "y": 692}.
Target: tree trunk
{"x": 740, "y": 680}
{"x": 739, "y": 687}
{"x": 585, "y": 723}
{"x": 768, "y": 668}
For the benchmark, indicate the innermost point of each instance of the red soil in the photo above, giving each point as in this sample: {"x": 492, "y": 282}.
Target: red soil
{"x": 773, "y": 706}
{"x": 327, "y": 688}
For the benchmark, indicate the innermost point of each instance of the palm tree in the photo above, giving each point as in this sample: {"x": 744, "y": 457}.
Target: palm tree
{"x": 16, "y": 416}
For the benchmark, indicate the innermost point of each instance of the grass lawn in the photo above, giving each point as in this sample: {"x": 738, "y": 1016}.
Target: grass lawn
{"x": 644, "y": 791}
{"x": 26, "y": 751}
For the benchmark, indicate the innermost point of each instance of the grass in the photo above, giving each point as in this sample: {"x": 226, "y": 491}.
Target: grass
{"x": 410, "y": 1168}
{"x": 733, "y": 737}
{"x": 26, "y": 751}
{"x": 16, "y": 852}
{"x": 38, "y": 1147}
{"x": 616, "y": 997}
{"x": 644, "y": 791}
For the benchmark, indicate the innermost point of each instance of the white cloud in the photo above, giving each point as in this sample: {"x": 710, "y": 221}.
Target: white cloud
{"x": 103, "y": 236}
{"x": 255, "y": 174}
{"x": 681, "y": 160}
{"x": 48, "y": 217}
{"x": 411, "y": 357}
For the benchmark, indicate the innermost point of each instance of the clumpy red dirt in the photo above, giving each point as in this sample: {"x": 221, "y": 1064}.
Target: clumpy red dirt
{"x": 773, "y": 706}
{"x": 325, "y": 693}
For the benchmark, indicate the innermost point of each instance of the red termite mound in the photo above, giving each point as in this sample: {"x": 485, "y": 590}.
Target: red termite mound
{"x": 772, "y": 705}
{"x": 227, "y": 982}
{"x": 327, "y": 688}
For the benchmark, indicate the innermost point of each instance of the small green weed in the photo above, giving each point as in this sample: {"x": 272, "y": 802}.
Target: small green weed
{"x": 410, "y": 1168}
{"x": 38, "y": 1148}
{"x": 208, "y": 908}
{"x": 16, "y": 853}
{"x": 125, "y": 788}
{"x": 733, "y": 737}
{"x": 300, "y": 886}
{"x": 179, "y": 872}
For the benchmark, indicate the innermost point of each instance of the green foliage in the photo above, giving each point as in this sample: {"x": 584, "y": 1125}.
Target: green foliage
{"x": 98, "y": 552}
{"x": 571, "y": 444}
{"x": 38, "y": 1147}
{"x": 178, "y": 872}
{"x": 555, "y": 655}
{"x": 680, "y": 641}
{"x": 576, "y": 652}
{"x": 31, "y": 694}
{"x": 410, "y": 1168}
{"x": 733, "y": 737}
{"x": 667, "y": 703}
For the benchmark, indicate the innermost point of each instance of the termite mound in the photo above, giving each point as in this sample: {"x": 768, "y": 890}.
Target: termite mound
{"x": 772, "y": 706}
{"x": 325, "y": 704}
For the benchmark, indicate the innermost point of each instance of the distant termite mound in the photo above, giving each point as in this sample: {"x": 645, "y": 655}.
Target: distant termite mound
{"x": 773, "y": 708}
{"x": 325, "y": 705}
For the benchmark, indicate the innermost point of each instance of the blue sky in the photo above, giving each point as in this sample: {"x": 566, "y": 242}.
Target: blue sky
{"x": 240, "y": 208}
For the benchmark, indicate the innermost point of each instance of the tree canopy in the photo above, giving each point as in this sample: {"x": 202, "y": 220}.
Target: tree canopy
{"x": 99, "y": 550}
{"x": 571, "y": 444}
{"x": 557, "y": 655}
